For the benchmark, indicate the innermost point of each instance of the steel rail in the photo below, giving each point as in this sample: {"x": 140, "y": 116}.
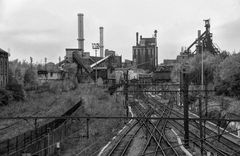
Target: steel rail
{"x": 148, "y": 129}
{"x": 162, "y": 91}
{"x": 207, "y": 145}
{"x": 231, "y": 145}
{"x": 219, "y": 151}
{"x": 161, "y": 136}
{"x": 121, "y": 140}
{"x": 163, "y": 130}
{"x": 112, "y": 117}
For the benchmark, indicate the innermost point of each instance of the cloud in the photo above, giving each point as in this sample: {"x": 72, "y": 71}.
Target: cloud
{"x": 229, "y": 35}
{"x": 42, "y": 28}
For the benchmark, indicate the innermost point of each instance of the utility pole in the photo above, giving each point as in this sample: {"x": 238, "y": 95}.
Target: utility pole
{"x": 184, "y": 90}
{"x": 200, "y": 123}
{"x": 45, "y": 61}
{"x": 126, "y": 92}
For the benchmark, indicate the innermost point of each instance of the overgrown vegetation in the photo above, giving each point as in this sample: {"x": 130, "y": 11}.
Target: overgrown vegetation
{"x": 96, "y": 103}
{"x": 221, "y": 72}
{"x": 42, "y": 104}
{"x": 23, "y": 76}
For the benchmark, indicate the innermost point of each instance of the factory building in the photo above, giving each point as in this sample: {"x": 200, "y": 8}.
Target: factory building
{"x": 92, "y": 66}
{"x": 109, "y": 52}
{"x": 127, "y": 63}
{"x": 145, "y": 52}
{"x": 182, "y": 57}
{"x": 3, "y": 68}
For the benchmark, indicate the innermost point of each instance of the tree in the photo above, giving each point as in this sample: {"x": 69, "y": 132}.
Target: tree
{"x": 18, "y": 75}
{"x": 30, "y": 77}
{"x": 11, "y": 78}
{"x": 229, "y": 74}
{"x": 210, "y": 66}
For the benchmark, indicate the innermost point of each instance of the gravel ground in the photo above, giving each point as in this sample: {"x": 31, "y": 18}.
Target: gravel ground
{"x": 137, "y": 144}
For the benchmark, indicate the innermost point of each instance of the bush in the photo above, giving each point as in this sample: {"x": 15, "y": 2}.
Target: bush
{"x": 101, "y": 103}
{"x": 4, "y": 97}
{"x": 62, "y": 86}
{"x": 229, "y": 76}
{"x": 30, "y": 77}
{"x": 17, "y": 91}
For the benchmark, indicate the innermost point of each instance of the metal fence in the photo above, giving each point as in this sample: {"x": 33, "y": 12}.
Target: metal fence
{"x": 39, "y": 138}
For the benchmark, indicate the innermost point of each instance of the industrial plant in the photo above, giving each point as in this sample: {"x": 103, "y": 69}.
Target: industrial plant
{"x": 95, "y": 103}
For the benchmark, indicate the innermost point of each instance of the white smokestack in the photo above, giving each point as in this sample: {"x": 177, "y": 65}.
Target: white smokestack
{"x": 101, "y": 41}
{"x": 80, "y": 32}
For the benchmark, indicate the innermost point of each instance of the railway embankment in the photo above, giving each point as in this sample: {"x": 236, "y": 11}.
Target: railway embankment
{"x": 221, "y": 107}
{"x": 48, "y": 103}
{"x": 96, "y": 102}
{"x": 72, "y": 136}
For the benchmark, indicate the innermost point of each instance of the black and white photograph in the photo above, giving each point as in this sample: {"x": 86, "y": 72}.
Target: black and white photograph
{"x": 119, "y": 77}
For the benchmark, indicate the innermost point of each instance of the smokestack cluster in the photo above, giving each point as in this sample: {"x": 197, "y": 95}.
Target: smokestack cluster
{"x": 80, "y": 32}
{"x": 101, "y": 41}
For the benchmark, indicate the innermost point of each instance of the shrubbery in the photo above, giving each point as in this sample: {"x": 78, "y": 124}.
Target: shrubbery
{"x": 101, "y": 103}
{"x": 30, "y": 77}
{"x": 223, "y": 71}
{"x": 230, "y": 75}
{"x": 62, "y": 86}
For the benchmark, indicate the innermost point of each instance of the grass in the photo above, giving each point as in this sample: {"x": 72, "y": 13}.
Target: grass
{"x": 96, "y": 103}
{"x": 55, "y": 102}
{"x": 42, "y": 104}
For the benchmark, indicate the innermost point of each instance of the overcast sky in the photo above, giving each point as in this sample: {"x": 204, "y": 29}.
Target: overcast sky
{"x": 44, "y": 28}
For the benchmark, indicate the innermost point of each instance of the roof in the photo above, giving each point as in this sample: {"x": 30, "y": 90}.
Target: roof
{"x": 148, "y": 42}
{"x": 49, "y": 71}
{"x": 3, "y": 51}
{"x": 95, "y": 58}
{"x": 73, "y": 49}
{"x": 152, "y": 39}
{"x": 164, "y": 68}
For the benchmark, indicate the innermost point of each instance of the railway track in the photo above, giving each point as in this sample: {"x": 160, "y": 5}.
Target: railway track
{"x": 157, "y": 143}
{"x": 222, "y": 147}
{"x": 125, "y": 140}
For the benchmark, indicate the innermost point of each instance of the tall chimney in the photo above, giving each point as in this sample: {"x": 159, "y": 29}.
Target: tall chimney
{"x": 80, "y": 32}
{"x": 136, "y": 38}
{"x": 101, "y": 41}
